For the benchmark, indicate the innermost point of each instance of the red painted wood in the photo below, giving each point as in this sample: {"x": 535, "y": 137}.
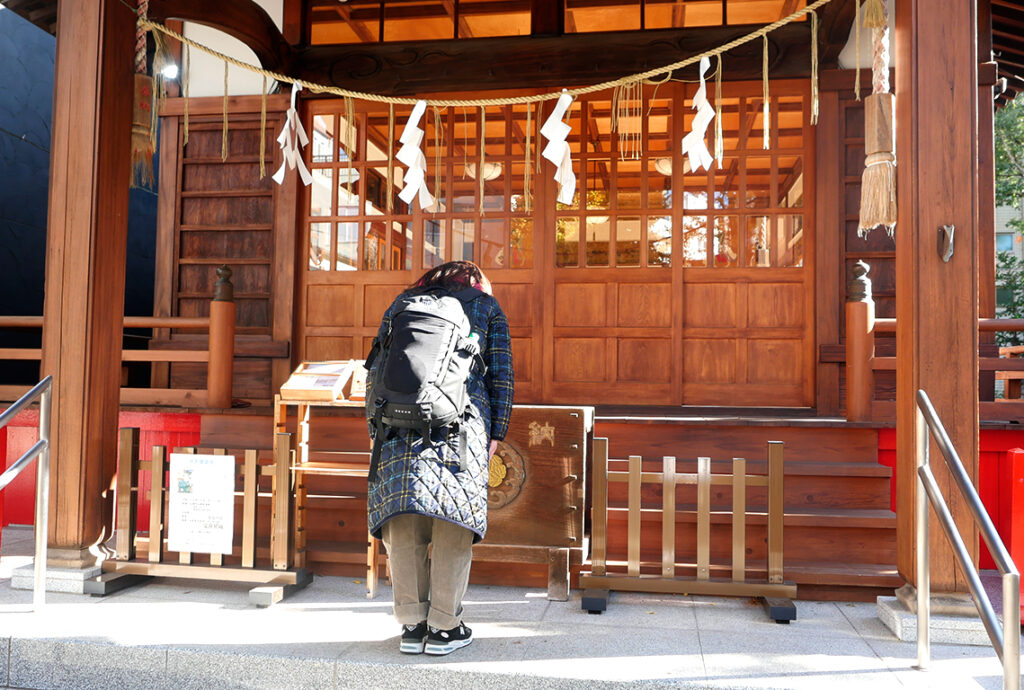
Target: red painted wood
{"x": 171, "y": 429}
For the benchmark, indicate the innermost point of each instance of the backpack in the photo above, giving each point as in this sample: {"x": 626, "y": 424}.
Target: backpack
{"x": 426, "y": 358}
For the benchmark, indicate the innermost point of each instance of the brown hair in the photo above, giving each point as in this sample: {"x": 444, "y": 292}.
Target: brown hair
{"x": 454, "y": 275}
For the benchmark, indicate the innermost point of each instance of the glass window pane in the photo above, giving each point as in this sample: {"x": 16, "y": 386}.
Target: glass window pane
{"x": 348, "y": 247}
{"x": 492, "y": 243}
{"x": 759, "y": 182}
{"x": 520, "y": 195}
{"x": 462, "y": 239}
{"x": 377, "y": 191}
{"x": 791, "y": 121}
{"x": 726, "y": 241}
{"x": 348, "y": 137}
{"x": 695, "y": 241}
{"x": 759, "y": 241}
{"x": 658, "y": 112}
{"x": 627, "y": 241}
{"x": 465, "y": 188}
{"x": 1004, "y": 242}
{"x": 567, "y": 242}
{"x": 320, "y": 247}
{"x": 628, "y": 179}
{"x": 730, "y": 124}
{"x": 374, "y": 245}
{"x": 676, "y": 14}
{"x": 494, "y": 185}
{"x": 597, "y": 240}
{"x": 323, "y": 138}
{"x": 727, "y": 183}
{"x": 791, "y": 182}
{"x": 659, "y": 241}
{"x": 433, "y": 242}
{"x": 320, "y": 193}
{"x": 522, "y": 242}
{"x": 481, "y": 18}
{"x": 401, "y": 245}
{"x": 659, "y": 182}
{"x": 348, "y": 192}
{"x": 695, "y": 187}
{"x": 754, "y": 123}
{"x": 789, "y": 241}
{"x": 418, "y": 20}
{"x": 598, "y": 183}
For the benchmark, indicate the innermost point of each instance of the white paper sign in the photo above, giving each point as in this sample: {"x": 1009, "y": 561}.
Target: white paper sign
{"x": 201, "y": 508}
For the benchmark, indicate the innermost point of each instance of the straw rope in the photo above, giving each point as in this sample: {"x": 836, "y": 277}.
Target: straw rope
{"x": 526, "y": 166}
{"x": 391, "y": 157}
{"x": 483, "y": 152}
{"x": 814, "y": 68}
{"x": 224, "y": 129}
{"x": 263, "y": 130}
{"x": 719, "y": 140}
{"x": 185, "y": 78}
{"x": 856, "y": 40}
{"x": 765, "y": 100}
{"x": 483, "y": 102}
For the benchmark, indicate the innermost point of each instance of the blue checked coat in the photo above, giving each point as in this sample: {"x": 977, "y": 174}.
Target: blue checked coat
{"x": 416, "y": 477}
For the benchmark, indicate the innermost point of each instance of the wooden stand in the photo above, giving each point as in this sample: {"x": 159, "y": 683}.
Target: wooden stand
{"x": 273, "y": 583}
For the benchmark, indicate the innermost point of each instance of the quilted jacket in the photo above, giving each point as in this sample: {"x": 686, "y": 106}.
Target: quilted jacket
{"x": 424, "y": 478}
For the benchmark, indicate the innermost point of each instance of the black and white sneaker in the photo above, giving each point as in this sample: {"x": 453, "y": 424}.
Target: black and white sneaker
{"x": 414, "y": 638}
{"x": 440, "y": 642}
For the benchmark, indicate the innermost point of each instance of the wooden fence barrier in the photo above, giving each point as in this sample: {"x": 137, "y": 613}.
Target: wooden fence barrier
{"x": 143, "y": 555}
{"x": 599, "y": 581}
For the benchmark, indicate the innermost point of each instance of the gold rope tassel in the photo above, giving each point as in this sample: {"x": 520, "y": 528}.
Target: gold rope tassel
{"x": 483, "y": 152}
{"x": 878, "y": 182}
{"x": 856, "y": 40}
{"x": 391, "y": 157}
{"x": 438, "y": 156}
{"x": 349, "y": 139}
{"x": 263, "y": 129}
{"x": 719, "y": 139}
{"x": 224, "y": 127}
{"x": 526, "y": 167}
{"x": 874, "y": 14}
{"x": 142, "y": 110}
{"x": 766, "y": 123}
{"x": 814, "y": 68}
{"x": 188, "y": 68}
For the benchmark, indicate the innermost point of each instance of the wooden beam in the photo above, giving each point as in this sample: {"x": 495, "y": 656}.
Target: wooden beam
{"x": 242, "y": 19}
{"x": 404, "y": 68}
{"x": 936, "y": 302}
{"x": 86, "y": 245}
{"x": 547, "y": 17}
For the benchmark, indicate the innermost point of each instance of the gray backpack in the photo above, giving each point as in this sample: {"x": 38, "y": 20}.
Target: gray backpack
{"x": 423, "y": 366}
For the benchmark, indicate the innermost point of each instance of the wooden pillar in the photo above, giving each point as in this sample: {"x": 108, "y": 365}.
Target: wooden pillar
{"x": 936, "y": 301}
{"x": 860, "y": 345}
{"x": 85, "y": 267}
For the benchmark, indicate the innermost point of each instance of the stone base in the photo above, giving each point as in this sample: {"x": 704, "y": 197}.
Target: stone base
{"x": 945, "y": 628}
{"x": 68, "y": 580}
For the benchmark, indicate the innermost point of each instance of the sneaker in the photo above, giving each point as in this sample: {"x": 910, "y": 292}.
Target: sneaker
{"x": 414, "y": 637}
{"x": 440, "y": 642}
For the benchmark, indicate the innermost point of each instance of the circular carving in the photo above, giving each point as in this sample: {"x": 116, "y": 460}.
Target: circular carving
{"x": 506, "y": 476}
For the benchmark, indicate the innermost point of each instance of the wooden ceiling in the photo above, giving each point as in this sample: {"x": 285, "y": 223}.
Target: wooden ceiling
{"x": 1008, "y": 45}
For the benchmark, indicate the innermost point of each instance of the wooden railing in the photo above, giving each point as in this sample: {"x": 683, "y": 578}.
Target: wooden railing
{"x": 601, "y": 577}
{"x": 862, "y": 363}
{"x": 219, "y": 355}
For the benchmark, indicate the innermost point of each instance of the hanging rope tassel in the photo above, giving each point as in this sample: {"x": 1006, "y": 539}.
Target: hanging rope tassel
{"x": 224, "y": 127}
{"x": 438, "y": 159}
{"x": 766, "y": 123}
{"x": 719, "y": 139}
{"x": 348, "y": 136}
{"x": 142, "y": 110}
{"x": 391, "y": 157}
{"x": 483, "y": 152}
{"x": 527, "y": 200}
{"x": 878, "y": 183}
{"x": 814, "y": 68}
{"x": 188, "y": 68}
{"x": 856, "y": 40}
{"x": 263, "y": 129}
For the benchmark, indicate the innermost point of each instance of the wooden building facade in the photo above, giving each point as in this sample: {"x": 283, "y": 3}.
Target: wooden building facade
{"x": 658, "y": 293}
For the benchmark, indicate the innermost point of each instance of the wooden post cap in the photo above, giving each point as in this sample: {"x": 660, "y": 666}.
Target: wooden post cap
{"x": 858, "y": 289}
{"x": 223, "y": 290}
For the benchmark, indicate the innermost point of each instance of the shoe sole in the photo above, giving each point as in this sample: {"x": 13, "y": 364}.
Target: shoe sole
{"x": 442, "y": 649}
{"x": 413, "y": 647}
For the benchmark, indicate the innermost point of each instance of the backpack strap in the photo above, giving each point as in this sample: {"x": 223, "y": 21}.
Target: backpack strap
{"x": 378, "y": 438}
{"x": 467, "y": 295}
{"x": 372, "y": 356}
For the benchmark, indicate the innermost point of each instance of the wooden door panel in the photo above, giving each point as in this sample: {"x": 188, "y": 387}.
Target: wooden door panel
{"x": 581, "y": 304}
{"x": 645, "y": 305}
{"x": 645, "y": 360}
{"x": 320, "y": 347}
{"x": 710, "y": 305}
{"x": 330, "y": 305}
{"x": 580, "y": 359}
{"x": 775, "y": 362}
{"x": 710, "y": 361}
{"x": 775, "y": 304}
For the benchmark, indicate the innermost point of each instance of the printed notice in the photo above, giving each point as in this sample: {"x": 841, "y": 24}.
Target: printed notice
{"x": 201, "y": 508}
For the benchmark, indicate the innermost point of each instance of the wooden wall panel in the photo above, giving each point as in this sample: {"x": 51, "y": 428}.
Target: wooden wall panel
{"x": 580, "y": 359}
{"x": 522, "y": 359}
{"x": 645, "y": 359}
{"x": 709, "y": 361}
{"x": 710, "y": 305}
{"x": 330, "y": 305}
{"x": 331, "y": 347}
{"x": 645, "y": 304}
{"x": 516, "y": 301}
{"x": 376, "y": 300}
{"x": 773, "y": 305}
{"x": 774, "y": 361}
{"x": 580, "y": 304}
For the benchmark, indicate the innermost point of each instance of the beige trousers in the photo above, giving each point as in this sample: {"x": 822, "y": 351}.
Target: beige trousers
{"x": 429, "y": 590}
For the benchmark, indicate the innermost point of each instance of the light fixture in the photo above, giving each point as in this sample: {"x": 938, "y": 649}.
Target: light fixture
{"x": 664, "y": 166}
{"x": 491, "y": 171}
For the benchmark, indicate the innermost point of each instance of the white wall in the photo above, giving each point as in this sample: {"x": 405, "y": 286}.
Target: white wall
{"x": 207, "y": 72}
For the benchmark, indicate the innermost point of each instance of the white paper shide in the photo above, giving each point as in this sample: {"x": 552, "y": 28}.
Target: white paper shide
{"x": 201, "y": 507}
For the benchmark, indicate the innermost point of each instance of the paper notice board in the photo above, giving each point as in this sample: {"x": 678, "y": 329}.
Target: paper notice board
{"x": 201, "y": 507}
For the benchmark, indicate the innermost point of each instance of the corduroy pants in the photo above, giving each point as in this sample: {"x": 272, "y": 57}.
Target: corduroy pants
{"x": 428, "y": 589}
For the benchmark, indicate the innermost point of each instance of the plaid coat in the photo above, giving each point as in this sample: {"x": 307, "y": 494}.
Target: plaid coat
{"x": 421, "y": 478}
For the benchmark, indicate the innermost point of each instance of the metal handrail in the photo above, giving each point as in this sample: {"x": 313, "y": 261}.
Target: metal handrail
{"x": 40, "y": 450}
{"x": 1005, "y": 640}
